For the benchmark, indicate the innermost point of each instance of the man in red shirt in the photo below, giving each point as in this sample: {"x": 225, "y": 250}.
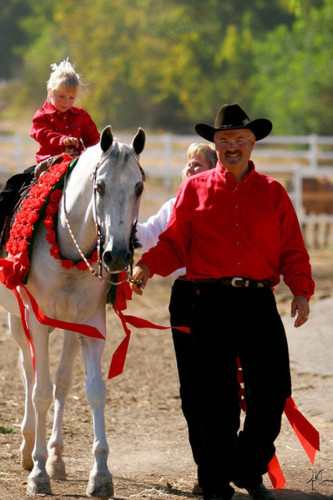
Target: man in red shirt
{"x": 236, "y": 232}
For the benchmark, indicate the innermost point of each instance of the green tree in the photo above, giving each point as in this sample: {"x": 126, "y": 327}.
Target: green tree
{"x": 294, "y": 72}
{"x": 12, "y": 36}
{"x": 162, "y": 64}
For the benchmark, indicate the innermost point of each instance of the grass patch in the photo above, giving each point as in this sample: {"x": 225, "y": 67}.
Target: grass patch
{"x": 6, "y": 430}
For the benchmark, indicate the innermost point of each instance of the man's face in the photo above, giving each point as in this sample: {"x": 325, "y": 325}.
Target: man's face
{"x": 234, "y": 147}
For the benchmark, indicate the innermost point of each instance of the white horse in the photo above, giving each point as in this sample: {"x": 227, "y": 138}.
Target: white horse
{"x": 100, "y": 200}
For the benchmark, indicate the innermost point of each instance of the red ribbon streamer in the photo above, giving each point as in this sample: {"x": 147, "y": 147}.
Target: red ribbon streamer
{"x": 26, "y": 330}
{"x": 306, "y": 433}
{"x": 275, "y": 474}
{"x": 119, "y": 356}
{"x": 88, "y": 330}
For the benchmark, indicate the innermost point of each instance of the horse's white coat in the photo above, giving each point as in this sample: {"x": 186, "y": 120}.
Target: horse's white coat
{"x": 75, "y": 296}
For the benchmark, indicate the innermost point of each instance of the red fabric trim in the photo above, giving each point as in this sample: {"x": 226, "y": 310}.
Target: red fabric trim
{"x": 119, "y": 356}
{"x": 13, "y": 270}
{"x": 306, "y": 433}
{"x": 275, "y": 474}
{"x": 25, "y": 327}
{"x": 143, "y": 323}
{"x": 88, "y": 330}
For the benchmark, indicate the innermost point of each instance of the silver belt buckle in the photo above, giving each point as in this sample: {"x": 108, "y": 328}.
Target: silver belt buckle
{"x": 236, "y": 282}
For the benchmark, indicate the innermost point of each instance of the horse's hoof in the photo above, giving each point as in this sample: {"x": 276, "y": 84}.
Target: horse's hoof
{"x": 39, "y": 486}
{"x": 56, "y": 470}
{"x": 100, "y": 489}
{"x": 27, "y": 463}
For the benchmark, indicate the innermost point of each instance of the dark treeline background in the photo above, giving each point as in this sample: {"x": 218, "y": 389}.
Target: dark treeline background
{"x": 167, "y": 64}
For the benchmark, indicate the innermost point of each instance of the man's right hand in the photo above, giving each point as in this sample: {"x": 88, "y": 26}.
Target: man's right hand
{"x": 140, "y": 276}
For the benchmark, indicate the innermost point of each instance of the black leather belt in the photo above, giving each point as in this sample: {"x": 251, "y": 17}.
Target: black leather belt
{"x": 236, "y": 282}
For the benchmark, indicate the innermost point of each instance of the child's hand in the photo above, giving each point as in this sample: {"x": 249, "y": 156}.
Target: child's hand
{"x": 71, "y": 141}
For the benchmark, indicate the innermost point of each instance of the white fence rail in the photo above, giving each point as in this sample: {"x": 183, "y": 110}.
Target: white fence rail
{"x": 290, "y": 159}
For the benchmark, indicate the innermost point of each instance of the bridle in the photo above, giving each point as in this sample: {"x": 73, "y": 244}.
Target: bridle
{"x": 99, "y": 237}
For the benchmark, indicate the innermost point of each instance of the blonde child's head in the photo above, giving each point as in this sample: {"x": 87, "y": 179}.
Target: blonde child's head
{"x": 63, "y": 85}
{"x": 200, "y": 157}
{"x": 63, "y": 77}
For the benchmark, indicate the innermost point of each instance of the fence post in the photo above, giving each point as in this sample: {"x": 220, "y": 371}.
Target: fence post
{"x": 167, "y": 155}
{"x": 18, "y": 153}
{"x": 297, "y": 182}
{"x": 313, "y": 152}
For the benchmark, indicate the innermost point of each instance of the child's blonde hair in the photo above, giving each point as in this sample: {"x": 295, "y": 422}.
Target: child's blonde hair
{"x": 201, "y": 151}
{"x": 63, "y": 77}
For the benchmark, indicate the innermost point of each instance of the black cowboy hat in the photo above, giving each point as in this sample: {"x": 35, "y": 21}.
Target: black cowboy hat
{"x": 232, "y": 117}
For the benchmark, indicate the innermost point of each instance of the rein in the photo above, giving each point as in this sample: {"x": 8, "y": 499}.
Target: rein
{"x": 99, "y": 238}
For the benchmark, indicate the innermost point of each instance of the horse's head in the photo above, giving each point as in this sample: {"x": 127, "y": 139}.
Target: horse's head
{"x": 118, "y": 185}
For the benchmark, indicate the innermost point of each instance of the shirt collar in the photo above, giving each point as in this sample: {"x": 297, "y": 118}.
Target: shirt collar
{"x": 225, "y": 172}
{"x": 49, "y": 109}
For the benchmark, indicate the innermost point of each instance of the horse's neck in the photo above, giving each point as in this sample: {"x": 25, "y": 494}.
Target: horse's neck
{"x": 77, "y": 203}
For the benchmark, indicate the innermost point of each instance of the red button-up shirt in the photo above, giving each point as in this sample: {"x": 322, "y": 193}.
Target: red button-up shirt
{"x": 50, "y": 127}
{"x": 220, "y": 228}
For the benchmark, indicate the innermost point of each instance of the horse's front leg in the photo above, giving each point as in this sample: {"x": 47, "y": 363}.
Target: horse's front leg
{"x": 100, "y": 480}
{"x": 55, "y": 465}
{"x": 28, "y": 376}
{"x": 38, "y": 480}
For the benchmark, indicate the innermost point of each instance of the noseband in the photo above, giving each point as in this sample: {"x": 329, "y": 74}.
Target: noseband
{"x": 99, "y": 236}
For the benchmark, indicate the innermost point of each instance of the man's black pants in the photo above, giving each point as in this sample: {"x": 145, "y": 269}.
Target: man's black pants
{"x": 180, "y": 308}
{"x": 227, "y": 323}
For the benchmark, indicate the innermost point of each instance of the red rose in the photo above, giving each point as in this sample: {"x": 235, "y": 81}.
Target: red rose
{"x": 52, "y": 208}
{"x": 27, "y": 230}
{"x": 48, "y": 222}
{"x": 32, "y": 217}
{"x": 29, "y": 205}
{"x": 54, "y": 251}
{"x": 22, "y": 246}
{"x": 94, "y": 256}
{"x": 81, "y": 266}
{"x": 56, "y": 196}
{"x": 67, "y": 264}
{"x": 20, "y": 217}
{"x": 39, "y": 192}
{"x": 51, "y": 237}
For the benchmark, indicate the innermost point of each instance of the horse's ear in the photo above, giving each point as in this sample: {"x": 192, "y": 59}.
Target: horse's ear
{"x": 106, "y": 138}
{"x": 139, "y": 141}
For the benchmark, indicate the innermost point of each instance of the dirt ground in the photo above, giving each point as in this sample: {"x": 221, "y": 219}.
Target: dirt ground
{"x": 150, "y": 456}
{"x": 149, "y": 452}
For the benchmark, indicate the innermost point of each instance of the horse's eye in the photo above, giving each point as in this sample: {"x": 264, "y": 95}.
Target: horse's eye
{"x": 100, "y": 188}
{"x": 138, "y": 189}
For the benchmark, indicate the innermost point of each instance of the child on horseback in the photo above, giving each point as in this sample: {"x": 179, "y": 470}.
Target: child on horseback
{"x": 58, "y": 127}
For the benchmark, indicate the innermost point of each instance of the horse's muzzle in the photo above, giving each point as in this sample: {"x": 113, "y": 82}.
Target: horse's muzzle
{"x": 117, "y": 261}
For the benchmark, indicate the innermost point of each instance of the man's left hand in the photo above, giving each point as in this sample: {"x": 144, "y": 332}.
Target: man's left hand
{"x": 300, "y": 305}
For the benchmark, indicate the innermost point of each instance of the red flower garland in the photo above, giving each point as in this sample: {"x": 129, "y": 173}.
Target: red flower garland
{"x": 49, "y": 223}
{"x": 43, "y": 197}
